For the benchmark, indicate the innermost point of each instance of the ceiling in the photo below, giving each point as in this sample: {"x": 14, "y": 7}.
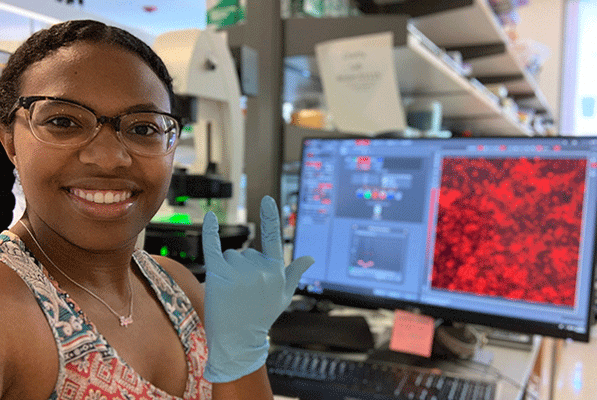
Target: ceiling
{"x": 164, "y": 15}
{"x": 145, "y": 18}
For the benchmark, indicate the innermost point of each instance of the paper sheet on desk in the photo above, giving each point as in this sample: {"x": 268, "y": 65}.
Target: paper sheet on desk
{"x": 412, "y": 333}
{"x": 276, "y": 397}
{"x": 359, "y": 83}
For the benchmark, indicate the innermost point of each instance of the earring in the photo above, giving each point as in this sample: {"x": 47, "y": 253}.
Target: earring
{"x": 17, "y": 177}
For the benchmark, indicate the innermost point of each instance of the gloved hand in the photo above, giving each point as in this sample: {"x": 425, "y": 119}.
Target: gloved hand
{"x": 245, "y": 292}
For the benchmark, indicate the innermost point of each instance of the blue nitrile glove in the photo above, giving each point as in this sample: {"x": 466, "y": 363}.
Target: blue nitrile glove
{"x": 245, "y": 292}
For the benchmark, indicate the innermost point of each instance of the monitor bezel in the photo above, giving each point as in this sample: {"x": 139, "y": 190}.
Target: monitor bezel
{"x": 528, "y": 326}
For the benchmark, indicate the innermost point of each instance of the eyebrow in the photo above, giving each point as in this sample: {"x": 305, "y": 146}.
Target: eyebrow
{"x": 143, "y": 107}
{"x": 135, "y": 108}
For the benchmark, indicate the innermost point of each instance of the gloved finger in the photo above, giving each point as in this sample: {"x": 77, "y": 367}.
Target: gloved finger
{"x": 212, "y": 248}
{"x": 271, "y": 238}
{"x": 295, "y": 270}
{"x": 233, "y": 257}
{"x": 254, "y": 256}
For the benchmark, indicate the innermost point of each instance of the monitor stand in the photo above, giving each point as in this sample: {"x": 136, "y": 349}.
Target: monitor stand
{"x": 320, "y": 331}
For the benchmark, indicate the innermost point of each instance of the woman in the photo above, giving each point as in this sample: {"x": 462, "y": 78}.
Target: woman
{"x": 84, "y": 117}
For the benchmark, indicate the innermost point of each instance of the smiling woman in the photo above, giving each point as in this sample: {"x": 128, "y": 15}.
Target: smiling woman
{"x": 85, "y": 119}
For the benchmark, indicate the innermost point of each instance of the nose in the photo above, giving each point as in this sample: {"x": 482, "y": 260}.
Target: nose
{"x": 106, "y": 150}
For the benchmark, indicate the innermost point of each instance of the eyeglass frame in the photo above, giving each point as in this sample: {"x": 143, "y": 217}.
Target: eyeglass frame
{"x": 25, "y": 103}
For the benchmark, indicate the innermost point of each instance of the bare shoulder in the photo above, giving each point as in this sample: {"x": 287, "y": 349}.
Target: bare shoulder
{"x": 186, "y": 280}
{"x": 27, "y": 345}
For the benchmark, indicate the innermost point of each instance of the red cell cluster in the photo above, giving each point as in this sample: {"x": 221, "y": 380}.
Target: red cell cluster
{"x": 510, "y": 228}
{"x": 363, "y": 163}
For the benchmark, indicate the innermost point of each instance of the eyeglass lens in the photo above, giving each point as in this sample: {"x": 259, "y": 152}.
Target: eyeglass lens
{"x": 67, "y": 124}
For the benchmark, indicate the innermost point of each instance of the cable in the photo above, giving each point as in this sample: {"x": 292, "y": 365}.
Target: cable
{"x": 497, "y": 373}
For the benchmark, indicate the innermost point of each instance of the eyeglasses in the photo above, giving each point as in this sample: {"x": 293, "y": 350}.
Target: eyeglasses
{"x": 68, "y": 124}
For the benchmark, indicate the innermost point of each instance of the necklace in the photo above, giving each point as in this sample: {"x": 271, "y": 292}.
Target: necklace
{"x": 124, "y": 320}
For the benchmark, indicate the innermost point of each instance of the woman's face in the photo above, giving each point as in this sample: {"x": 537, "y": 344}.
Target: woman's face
{"x": 99, "y": 196}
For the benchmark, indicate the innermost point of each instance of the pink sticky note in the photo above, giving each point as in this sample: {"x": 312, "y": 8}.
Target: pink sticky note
{"x": 412, "y": 333}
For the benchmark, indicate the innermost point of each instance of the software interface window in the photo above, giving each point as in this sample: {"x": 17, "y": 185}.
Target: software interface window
{"x": 493, "y": 226}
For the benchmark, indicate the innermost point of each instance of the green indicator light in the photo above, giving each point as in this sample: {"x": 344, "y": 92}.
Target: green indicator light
{"x": 180, "y": 219}
{"x": 164, "y": 251}
{"x": 187, "y": 128}
{"x": 181, "y": 199}
{"x": 183, "y": 254}
{"x": 367, "y": 195}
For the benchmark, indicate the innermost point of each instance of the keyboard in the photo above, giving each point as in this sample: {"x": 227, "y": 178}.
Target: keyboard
{"x": 312, "y": 375}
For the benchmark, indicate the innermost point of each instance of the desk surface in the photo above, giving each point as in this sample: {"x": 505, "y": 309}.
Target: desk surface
{"x": 576, "y": 370}
{"x": 513, "y": 365}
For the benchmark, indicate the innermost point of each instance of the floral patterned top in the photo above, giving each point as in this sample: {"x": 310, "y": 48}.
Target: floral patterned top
{"x": 90, "y": 369}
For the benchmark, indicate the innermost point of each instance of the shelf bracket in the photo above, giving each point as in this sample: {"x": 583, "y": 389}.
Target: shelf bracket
{"x": 523, "y": 96}
{"x": 479, "y": 50}
{"x": 488, "y": 80}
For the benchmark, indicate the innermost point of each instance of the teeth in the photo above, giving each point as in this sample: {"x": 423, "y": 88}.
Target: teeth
{"x": 102, "y": 196}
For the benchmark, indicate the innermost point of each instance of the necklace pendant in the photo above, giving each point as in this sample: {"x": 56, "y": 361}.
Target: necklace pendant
{"x": 126, "y": 321}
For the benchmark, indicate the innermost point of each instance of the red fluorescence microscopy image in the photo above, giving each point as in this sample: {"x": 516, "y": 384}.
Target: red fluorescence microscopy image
{"x": 510, "y": 228}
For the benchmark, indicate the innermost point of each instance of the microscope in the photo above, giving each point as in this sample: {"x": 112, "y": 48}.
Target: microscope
{"x": 208, "y": 163}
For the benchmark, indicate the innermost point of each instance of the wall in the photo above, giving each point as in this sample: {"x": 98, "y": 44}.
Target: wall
{"x": 543, "y": 21}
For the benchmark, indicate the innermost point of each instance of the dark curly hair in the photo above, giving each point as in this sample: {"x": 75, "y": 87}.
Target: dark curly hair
{"x": 43, "y": 43}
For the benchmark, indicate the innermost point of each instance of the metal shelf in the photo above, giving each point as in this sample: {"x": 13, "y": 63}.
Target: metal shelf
{"x": 302, "y": 34}
{"x": 477, "y": 26}
{"x": 423, "y": 76}
{"x": 474, "y": 24}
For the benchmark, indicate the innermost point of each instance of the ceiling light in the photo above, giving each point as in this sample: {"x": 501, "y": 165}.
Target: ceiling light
{"x": 28, "y": 14}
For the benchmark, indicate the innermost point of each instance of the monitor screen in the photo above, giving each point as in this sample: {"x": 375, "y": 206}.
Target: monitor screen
{"x": 490, "y": 231}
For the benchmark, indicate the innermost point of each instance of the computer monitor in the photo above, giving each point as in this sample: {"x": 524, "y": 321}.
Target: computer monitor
{"x": 496, "y": 231}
